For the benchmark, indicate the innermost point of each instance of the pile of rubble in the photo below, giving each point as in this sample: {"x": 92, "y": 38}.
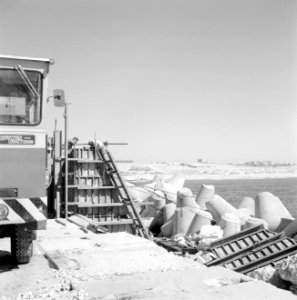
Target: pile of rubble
{"x": 197, "y": 221}
{"x": 282, "y": 275}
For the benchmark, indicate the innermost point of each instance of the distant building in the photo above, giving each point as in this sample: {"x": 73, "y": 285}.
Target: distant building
{"x": 202, "y": 161}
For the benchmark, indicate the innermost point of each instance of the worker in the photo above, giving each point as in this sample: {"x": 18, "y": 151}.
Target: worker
{"x": 72, "y": 143}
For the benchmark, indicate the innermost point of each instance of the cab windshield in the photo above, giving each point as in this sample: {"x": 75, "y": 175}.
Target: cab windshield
{"x": 18, "y": 105}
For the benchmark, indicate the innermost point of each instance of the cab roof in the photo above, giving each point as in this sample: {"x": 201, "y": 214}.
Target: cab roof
{"x": 32, "y": 63}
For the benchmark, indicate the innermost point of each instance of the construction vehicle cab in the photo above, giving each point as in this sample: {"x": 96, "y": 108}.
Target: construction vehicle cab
{"x": 23, "y": 151}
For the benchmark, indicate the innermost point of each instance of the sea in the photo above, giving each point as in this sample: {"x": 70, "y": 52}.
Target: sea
{"x": 234, "y": 190}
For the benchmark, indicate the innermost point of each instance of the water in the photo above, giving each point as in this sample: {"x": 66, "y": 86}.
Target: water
{"x": 234, "y": 190}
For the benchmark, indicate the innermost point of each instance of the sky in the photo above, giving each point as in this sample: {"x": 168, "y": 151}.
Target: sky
{"x": 178, "y": 80}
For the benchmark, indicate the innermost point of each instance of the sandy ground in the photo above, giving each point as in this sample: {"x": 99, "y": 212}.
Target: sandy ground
{"x": 118, "y": 266}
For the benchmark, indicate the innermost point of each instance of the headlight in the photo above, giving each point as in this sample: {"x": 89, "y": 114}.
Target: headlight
{"x": 3, "y": 211}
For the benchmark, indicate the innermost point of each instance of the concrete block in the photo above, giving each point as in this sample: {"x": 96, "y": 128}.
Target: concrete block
{"x": 267, "y": 207}
{"x": 169, "y": 190}
{"x": 167, "y": 229}
{"x": 168, "y": 211}
{"x": 243, "y": 214}
{"x": 182, "y": 220}
{"x": 291, "y": 229}
{"x": 158, "y": 200}
{"x": 248, "y": 203}
{"x": 206, "y": 193}
{"x": 177, "y": 181}
{"x": 185, "y": 198}
{"x": 200, "y": 219}
{"x": 252, "y": 222}
{"x": 219, "y": 206}
{"x": 230, "y": 223}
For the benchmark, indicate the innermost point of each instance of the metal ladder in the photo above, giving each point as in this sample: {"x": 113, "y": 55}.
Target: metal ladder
{"x": 230, "y": 247}
{"x": 118, "y": 182}
{"x": 268, "y": 254}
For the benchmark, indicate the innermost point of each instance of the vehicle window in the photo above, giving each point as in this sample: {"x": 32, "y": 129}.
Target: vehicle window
{"x": 18, "y": 105}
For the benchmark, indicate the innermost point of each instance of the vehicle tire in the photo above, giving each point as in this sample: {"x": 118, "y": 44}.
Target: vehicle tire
{"x": 21, "y": 245}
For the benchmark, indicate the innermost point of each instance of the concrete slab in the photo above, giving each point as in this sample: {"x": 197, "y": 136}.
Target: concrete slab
{"x": 119, "y": 266}
{"x": 110, "y": 254}
{"x": 122, "y": 266}
{"x": 212, "y": 283}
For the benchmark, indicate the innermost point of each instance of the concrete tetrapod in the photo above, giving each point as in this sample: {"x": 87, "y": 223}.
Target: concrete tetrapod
{"x": 200, "y": 219}
{"x": 168, "y": 211}
{"x": 230, "y": 224}
{"x": 248, "y": 203}
{"x": 267, "y": 207}
{"x": 158, "y": 199}
{"x": 167, "y": 228}
{"x": 168, "y": 214}
{"x": 284, "y": 211}
{"x": 185, "y": 198}
{"x": 177, "y": 181}
{"x": 291, "y": 229}
{"x": 185, "y": 212}
{"x": 158, "y": 178}
{"x": 206, "y": 193}
{"x": 252, "y": 222}
{"x": 157, "y": 222}
{"x": 219, "y": 206}
{"x": 169, "y": 190}
{"x": 137, "y": 193}
{"x": 244, "y": 214}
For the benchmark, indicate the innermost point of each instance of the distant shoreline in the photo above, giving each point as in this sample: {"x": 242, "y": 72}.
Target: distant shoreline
{"x": 145, "y": 177}
{"x": 266, "y": 176}
{"x": 206, "y": 172}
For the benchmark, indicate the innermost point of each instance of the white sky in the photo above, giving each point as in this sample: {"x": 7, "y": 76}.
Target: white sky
{"x": 177, "y": 80}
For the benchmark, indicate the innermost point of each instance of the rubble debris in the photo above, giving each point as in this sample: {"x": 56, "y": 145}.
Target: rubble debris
{"x": 288, "y": 269}
{"x": 218, "y": 282}
{"x": 265, "y": 274}
{"x": 207, "y": 235}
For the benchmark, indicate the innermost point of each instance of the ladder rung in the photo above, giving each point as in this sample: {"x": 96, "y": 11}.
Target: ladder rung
{"x": 85, "y": 187}
{"x": 85, "y": 160}
{"x": 99, "y": 204}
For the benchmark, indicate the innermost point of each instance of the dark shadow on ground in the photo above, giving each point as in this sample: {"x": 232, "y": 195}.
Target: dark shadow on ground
{"x": 6, "y": 262}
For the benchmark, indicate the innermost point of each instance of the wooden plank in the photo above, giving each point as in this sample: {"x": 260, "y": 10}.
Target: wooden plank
{"x": 59, "y": 261}
{"x": 93, "y": 225}
{"x": 82, "y": 224}
{"x": 61, "y": 221}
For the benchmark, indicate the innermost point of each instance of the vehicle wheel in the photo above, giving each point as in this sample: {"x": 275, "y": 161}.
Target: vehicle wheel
{"x": 21, "y": 245}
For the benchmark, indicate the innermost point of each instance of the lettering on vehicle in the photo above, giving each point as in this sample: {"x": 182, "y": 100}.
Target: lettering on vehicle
{"x": 17, "y": 139}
